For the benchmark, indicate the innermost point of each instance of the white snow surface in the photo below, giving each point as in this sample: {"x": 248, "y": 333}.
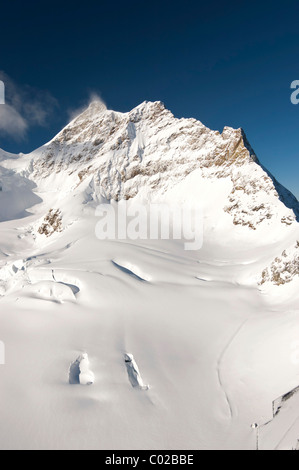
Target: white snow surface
{"x": 215, "y": 344}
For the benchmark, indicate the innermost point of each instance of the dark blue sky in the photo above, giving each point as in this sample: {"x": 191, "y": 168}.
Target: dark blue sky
{"x": 224, "y": 63}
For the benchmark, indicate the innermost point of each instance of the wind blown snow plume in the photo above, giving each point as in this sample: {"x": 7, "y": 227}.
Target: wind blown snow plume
{"x": 93, "y": 98}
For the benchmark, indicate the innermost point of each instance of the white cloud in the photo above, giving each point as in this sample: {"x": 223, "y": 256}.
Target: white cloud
{"x": 25, "y": 107}
{"x": 12, "y": 124}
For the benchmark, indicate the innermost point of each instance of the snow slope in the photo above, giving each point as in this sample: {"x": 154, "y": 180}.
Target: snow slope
{"x": 214, "y": 332}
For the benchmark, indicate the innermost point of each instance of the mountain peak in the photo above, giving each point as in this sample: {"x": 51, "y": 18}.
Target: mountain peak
{"x": 150, "y": 105}
{"x": 95, "y": 108}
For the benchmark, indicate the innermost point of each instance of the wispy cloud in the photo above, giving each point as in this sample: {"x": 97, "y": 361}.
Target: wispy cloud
{"x": 12, "y": 124}
{"x": 93, "y": 97}
{"x": 25, "y": 107}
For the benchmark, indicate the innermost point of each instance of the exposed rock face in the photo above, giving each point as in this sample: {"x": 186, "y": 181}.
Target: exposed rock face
{"x": 284, "y": 268}
{"x": 51, "y": 223}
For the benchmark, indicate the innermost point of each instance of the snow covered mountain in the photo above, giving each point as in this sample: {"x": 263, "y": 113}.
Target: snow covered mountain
{"x": 146, "y": 153}
{"x": 212, "y": 331}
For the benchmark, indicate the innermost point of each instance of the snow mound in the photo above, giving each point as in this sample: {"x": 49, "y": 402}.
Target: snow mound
{"x": 131, "y": 270}
{"x": 79, "y": 371}
{"x": 50, "y": 291}
{"x": 133, "y": 372}
{"x": 86, "y": 376}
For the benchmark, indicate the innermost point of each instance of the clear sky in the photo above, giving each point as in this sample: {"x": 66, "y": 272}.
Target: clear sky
{"x": 222, "y": 62}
